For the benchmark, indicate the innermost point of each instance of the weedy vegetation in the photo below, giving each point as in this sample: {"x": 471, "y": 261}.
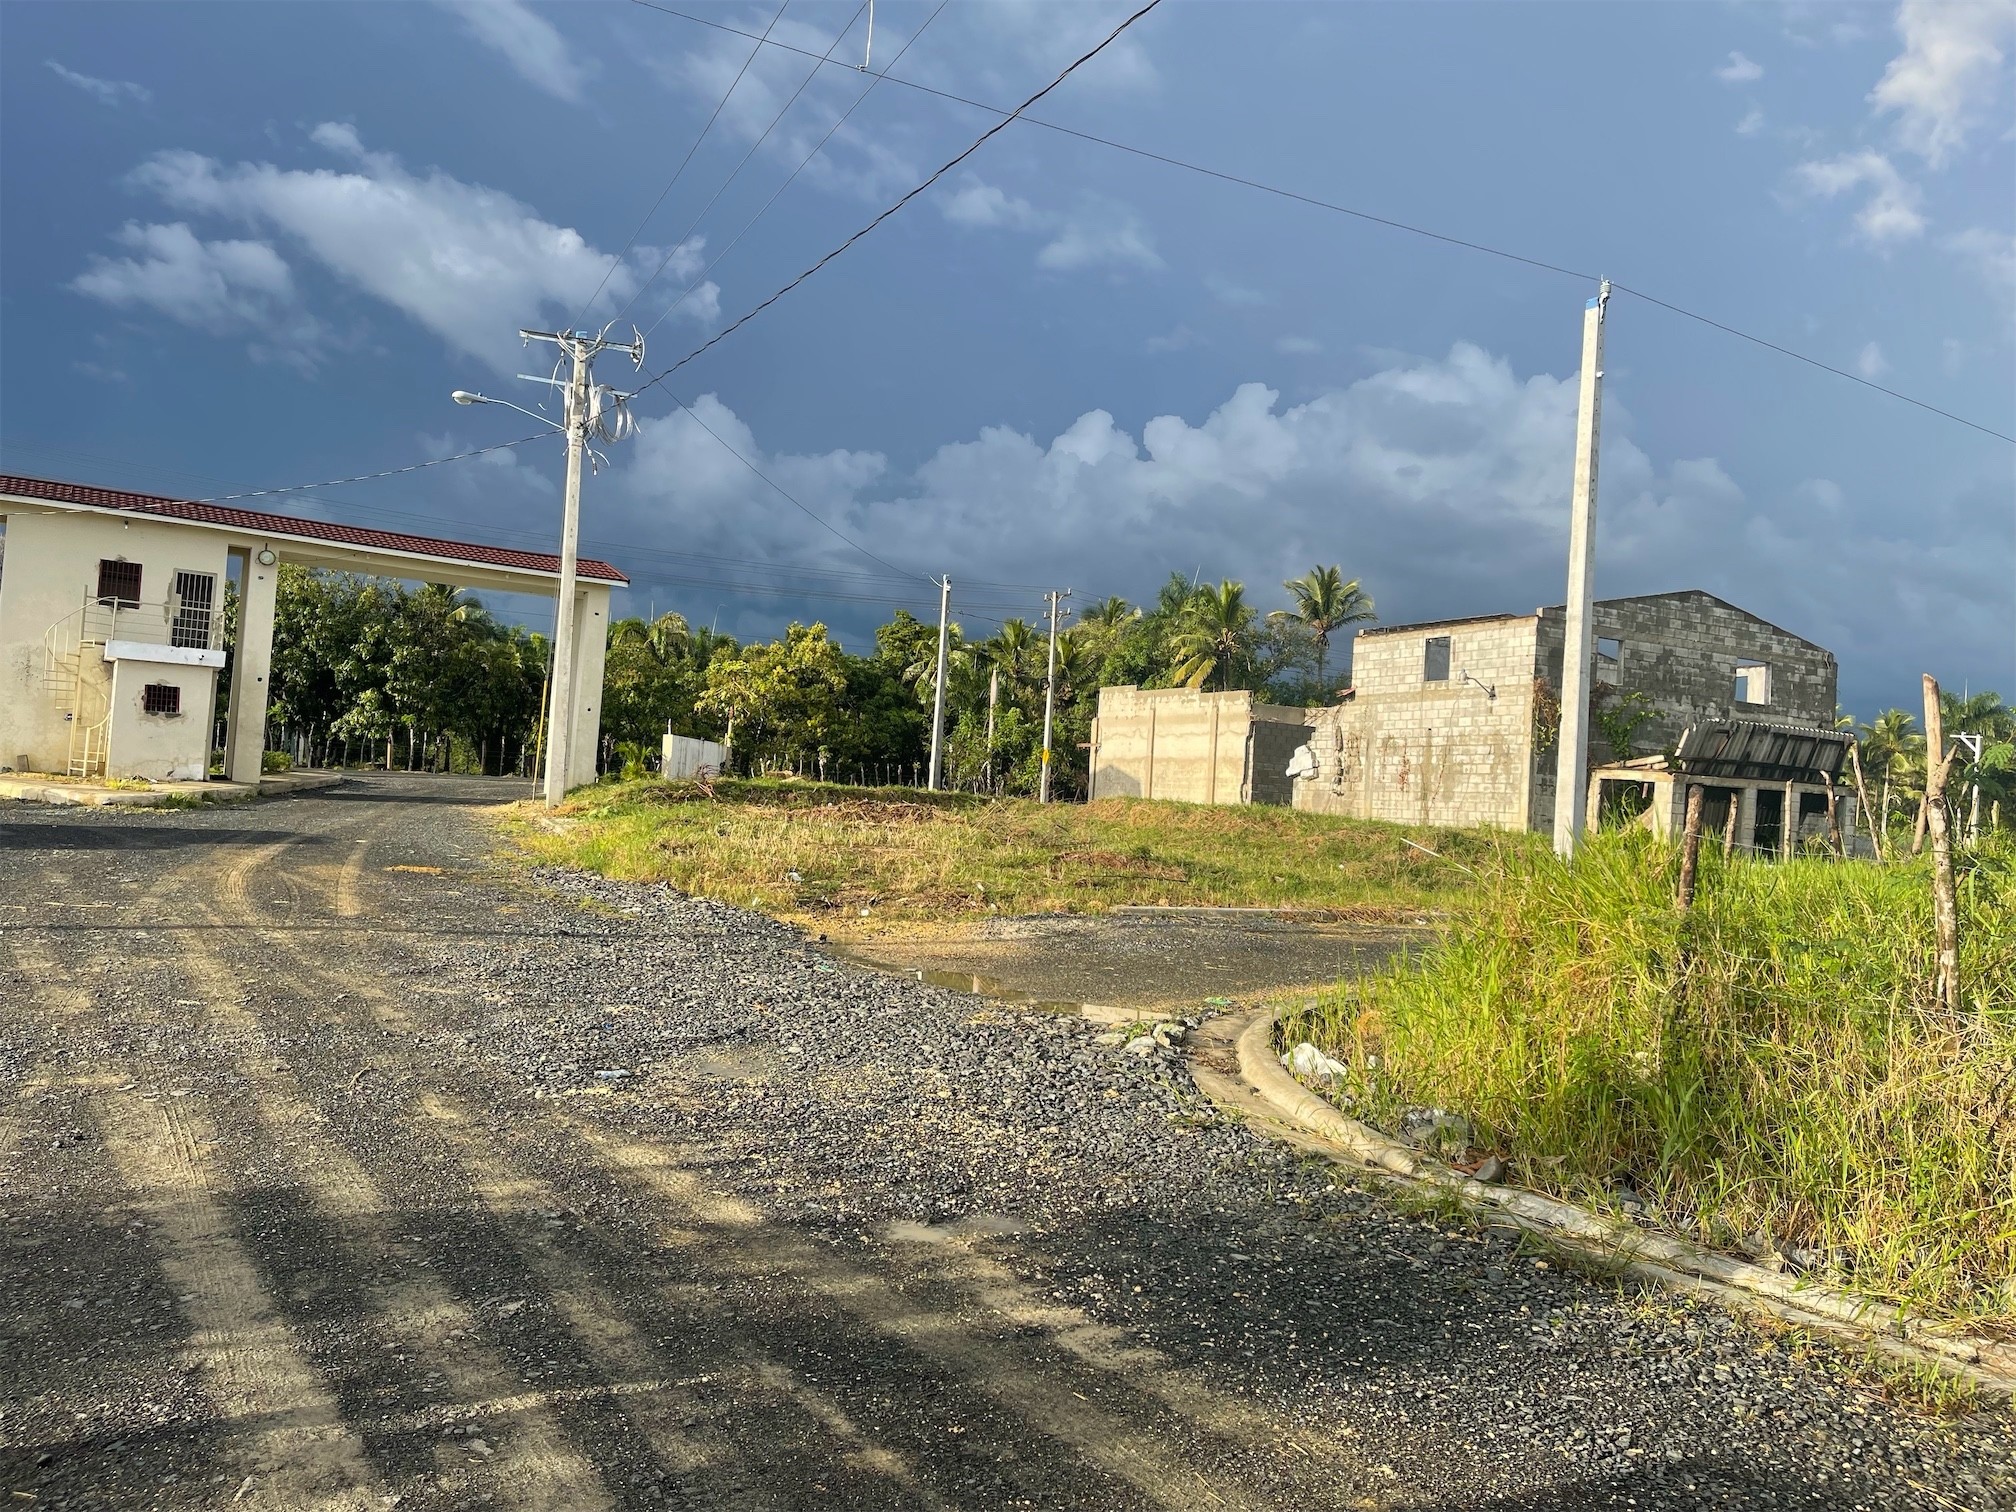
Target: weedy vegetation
{"x": 821, "y": 853}
{"x": 1768, "y": 1072}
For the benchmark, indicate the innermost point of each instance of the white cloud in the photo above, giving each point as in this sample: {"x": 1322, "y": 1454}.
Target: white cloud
{"x": 110, "y": 92}
{"x": 470, "y": 264}
{"x": 1096, "y": 233}
{"x": 1991, "y": 253}
{"x": 978, "y": 204}
{"x": 1175, "y": 341}
{"x": 1870, "y": 363}
{"x": 1751, "y": 124}
{"x": 1891, "y": 213}
{"x": 1297, "y": 346}
{"x": 493, "y": 479}
{"x": 234, "y": 287}
{"x": 1949, "y": 74}
{"x": 528, "y": 41}
{"x": 1099, "y": 234}
{"x": 1237, "y": 295}
{"x": 1444, "y": 483}
{"x": 1740, "y": 70}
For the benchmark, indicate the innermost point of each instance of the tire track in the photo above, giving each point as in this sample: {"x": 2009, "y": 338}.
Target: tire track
{"x": 289, "y": 1439}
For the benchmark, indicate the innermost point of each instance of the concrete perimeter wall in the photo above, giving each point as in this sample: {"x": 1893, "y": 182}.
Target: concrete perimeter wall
{"x": 1190, "y": 746}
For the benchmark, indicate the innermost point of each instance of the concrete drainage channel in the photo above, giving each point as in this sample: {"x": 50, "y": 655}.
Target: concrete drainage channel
{"x": 1235, "y": 1063}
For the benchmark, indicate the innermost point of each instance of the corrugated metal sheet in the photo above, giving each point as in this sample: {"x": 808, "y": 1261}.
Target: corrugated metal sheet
{"x": 1764, "y": 752}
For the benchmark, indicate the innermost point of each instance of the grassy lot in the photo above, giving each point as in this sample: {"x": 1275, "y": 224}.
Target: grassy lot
{"x": 1770, "y": 1068}
{"x": 820, "y": 853}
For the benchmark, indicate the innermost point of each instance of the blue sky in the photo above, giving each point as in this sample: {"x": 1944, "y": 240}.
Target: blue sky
{"x": 248, "y": 246}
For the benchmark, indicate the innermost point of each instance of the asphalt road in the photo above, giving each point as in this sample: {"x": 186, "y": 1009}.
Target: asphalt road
{"x": 342, "y": 1167}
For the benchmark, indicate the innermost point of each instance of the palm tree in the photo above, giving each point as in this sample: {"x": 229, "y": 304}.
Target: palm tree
{"x": 1017, "y": 652}
{"x": 1325, "y": 602}
{"x": 1216, "y": 635}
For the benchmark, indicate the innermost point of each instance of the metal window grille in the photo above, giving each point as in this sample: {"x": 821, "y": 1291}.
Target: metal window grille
{"x": 161, "y": 698}
{"x": 119, "y": 584}
{"x": 1435, "y": 665}
{"x": 195, "y": 609}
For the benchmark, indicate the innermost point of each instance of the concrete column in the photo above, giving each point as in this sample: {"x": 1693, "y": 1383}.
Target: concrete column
{"x": 591, "y": 645}
{"x": 1746, "y": 819}
{"x": 251, "y": 665}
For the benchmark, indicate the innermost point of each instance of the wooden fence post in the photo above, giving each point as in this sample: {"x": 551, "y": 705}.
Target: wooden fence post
{"x": 1862, "y": 799}
{"x": 1729, "y": 825}
{"x": 1945, "y": 905}
{"x": 1690, "y": 842}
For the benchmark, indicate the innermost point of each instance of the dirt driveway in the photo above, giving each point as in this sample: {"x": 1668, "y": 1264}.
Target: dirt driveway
{"x": 340, "y": 1168}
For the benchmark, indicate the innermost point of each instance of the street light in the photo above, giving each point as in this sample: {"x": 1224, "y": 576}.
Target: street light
{"x": 593, "y": 410}
{"x": 463, "y": 396}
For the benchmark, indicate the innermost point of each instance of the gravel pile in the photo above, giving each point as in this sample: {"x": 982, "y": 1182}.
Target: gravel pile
{"x": 843, "y": 1101}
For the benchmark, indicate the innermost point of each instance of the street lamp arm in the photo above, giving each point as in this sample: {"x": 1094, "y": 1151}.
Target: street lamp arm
{"x": 463, "y": 396}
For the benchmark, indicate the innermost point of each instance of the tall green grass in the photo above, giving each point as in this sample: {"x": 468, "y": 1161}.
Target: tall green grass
{"x": 1769, "y": 1068}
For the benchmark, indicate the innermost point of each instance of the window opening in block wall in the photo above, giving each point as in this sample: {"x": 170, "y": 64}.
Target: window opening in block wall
{"x": 1435, "y": 664}
{"x": 1753, "y": 682}
{"x": 119, "y": 584}
{"x": 161, "y": 698}
{"x": 195, "y": 609}
{"x": 1609, "y": 660}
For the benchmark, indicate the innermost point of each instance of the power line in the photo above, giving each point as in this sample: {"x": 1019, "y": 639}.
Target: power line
{"x": 823, "y": 523}
{"x": 817, "y": 148}
{"x": 390, "y": 472}
{"x": 978, "y": 143}
{"x": 1379, "y": 220}
{"x": 617, "y": 261}
{"x": 755, "y": 146}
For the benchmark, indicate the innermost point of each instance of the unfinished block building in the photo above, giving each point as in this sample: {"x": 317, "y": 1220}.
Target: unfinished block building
{"x": 1454, "y": 722}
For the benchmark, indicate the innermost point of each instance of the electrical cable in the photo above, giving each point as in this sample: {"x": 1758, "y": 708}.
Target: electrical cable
{"x": 754, "y": 147}
{"x": 617, "y": 261}
{"x": 1380, "y": 220}
{"x": 980, "y": 141}
{"x": 792, "y": 499}
{"x": 390, "y": 472}
{"x": 817, "y": 148}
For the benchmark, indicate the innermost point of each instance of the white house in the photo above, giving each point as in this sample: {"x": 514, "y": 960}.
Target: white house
{"x": 111, "y": 621}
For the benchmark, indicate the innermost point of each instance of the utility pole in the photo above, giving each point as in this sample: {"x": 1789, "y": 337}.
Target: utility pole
{"x": 938, "y": 694}
{"x": 1571, "y": 772}
{"x": 591, "y": 410}
{"x": 1050, "y": 694}
{"x": 993, "y": 702}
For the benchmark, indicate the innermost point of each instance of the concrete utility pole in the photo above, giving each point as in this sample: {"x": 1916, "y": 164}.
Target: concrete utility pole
{"x": 938, "y": 695}
{"x": 1050, "y": 694}
{"x": 993, "y": 701}
{"x": 590, "y": 410}
{"x": 1571, "y": 773}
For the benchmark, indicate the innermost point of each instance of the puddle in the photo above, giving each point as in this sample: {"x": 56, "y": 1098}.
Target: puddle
{"x": 978, "y": 983}
{"x": 1117, "y": 968}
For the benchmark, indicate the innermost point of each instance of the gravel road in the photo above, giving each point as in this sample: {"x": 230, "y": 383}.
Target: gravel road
{"x": 341, "y": 1167}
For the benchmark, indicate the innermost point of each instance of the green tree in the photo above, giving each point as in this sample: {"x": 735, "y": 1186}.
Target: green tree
{"x": 1217, "y": 636}
{"x": 1324, "y": 604}
{"x": 782, "y": 701}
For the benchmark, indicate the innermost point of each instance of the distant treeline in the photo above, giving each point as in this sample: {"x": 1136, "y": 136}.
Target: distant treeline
{"x": 370, "y": 670}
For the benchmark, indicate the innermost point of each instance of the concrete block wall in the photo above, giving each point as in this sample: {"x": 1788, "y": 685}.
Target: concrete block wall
{"x": 1190, "y": 746}
{"x": 1417, "y": 752}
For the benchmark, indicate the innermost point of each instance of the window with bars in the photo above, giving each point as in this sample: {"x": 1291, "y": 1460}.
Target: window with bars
{"x": 195, "y": 609}
{"x": 119, "y": 584}
{"x": 161, "y": 698}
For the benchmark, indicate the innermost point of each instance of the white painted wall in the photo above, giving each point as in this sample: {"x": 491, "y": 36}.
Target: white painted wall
{"x": 51, "y": 567}
{"x": 160, "y": 747}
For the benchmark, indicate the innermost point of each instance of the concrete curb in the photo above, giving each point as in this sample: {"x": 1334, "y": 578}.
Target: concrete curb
{"x": 90, "y": 795}
{"x": 1632, "y": 1251}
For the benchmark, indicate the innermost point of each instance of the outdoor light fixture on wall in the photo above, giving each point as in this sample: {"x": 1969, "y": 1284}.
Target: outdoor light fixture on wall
{"x": 1490, "y": 691}
{"x": 266, "y": 557}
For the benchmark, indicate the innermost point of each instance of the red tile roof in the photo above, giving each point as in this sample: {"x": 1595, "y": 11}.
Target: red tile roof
{"x": 258, "y": 522}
